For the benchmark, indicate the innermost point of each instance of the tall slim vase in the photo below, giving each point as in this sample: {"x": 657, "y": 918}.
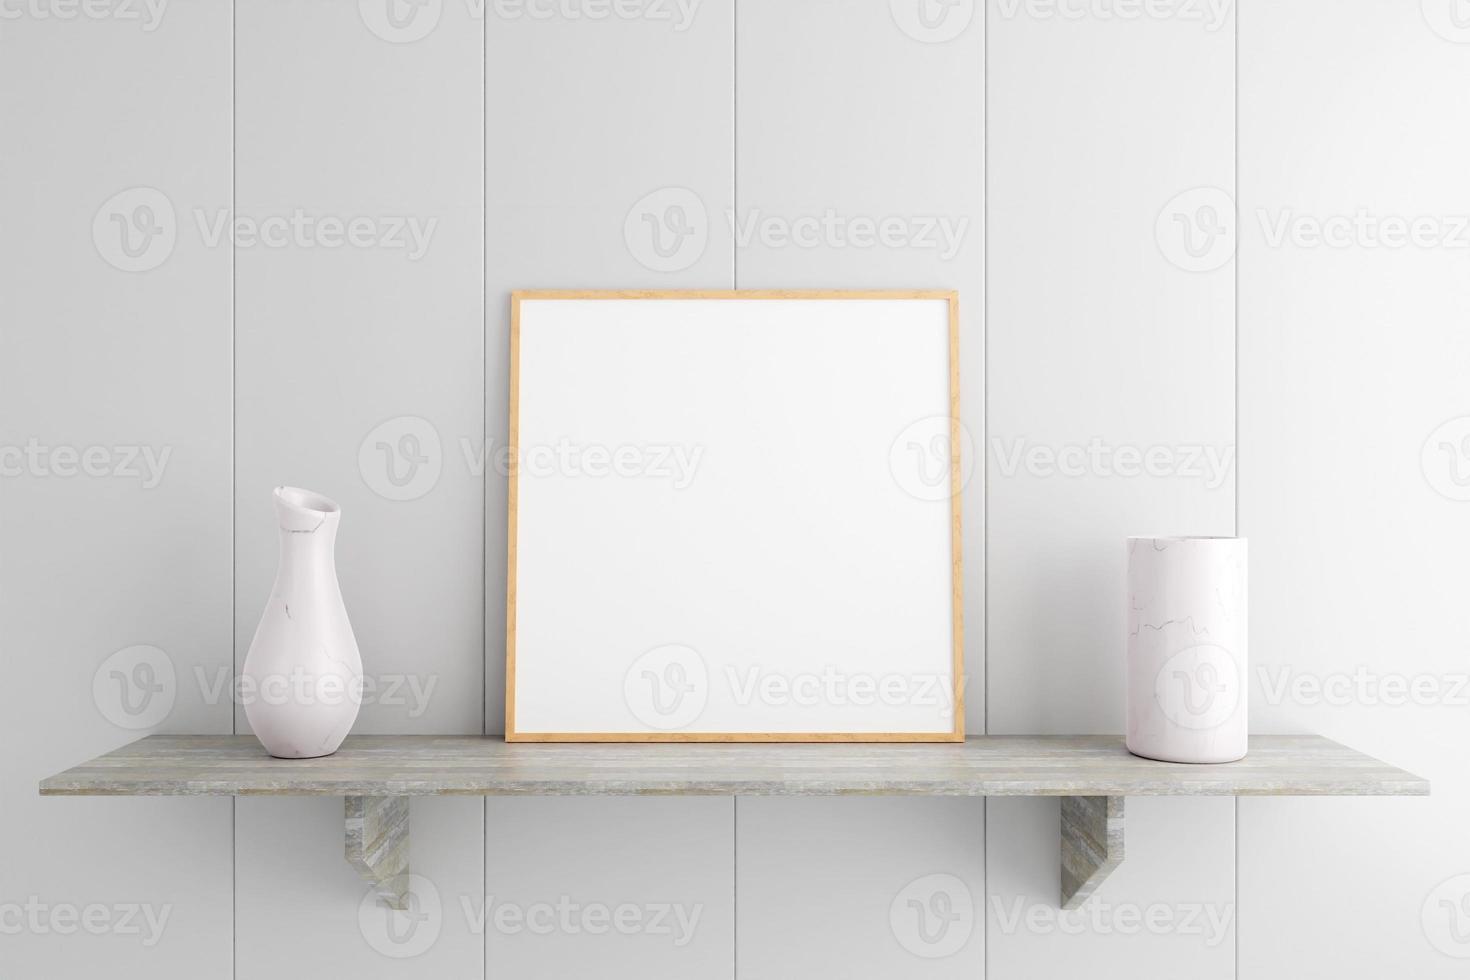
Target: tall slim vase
{"x": 1187, "y": 623}
{"x": 302, "y": 682}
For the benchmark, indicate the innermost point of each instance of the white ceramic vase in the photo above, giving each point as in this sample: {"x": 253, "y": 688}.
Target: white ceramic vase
{"x": 1187, "y": 678}
{"x": 302, "y": 682}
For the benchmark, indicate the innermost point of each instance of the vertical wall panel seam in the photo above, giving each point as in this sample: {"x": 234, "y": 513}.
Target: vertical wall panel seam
{"x": 985, "y": 458}
{"x": 484, "y": 377}
{"x": 735, "y": 137}
{"x": 234, "y": 392}
{"x": 734, "y": 284}
{"x": 1238, "y": 255}
{"x": 485, "y": 479}
{"x": 985, "y": 372}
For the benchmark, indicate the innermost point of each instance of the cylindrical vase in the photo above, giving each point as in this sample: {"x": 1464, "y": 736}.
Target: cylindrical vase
{"x": 1187, "y": 678}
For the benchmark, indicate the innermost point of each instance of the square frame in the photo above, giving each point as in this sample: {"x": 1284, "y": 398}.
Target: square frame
{"x": 957, "y": 734}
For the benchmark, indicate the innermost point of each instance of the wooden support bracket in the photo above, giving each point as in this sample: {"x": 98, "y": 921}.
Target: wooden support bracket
{"x": 377, "y": 844}
{"x": 1092, "y": 844}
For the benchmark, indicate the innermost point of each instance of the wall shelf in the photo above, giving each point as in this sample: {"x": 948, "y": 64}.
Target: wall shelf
{"x": 376, "y": 774}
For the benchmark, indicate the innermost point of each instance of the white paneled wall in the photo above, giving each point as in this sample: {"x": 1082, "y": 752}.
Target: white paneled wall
{"x": 1110, "y": 344}
{"x": 664, "y": 865}
{"x": 272, "y": 242}
{"x": 115, "y": 498}
{"x": 359, "y": 336}
{"x": 358, "y": 373}
{"x": 1354, "y": 412}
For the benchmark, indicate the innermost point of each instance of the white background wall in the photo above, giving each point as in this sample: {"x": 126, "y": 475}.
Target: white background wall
{"x": 1085, "y": 156}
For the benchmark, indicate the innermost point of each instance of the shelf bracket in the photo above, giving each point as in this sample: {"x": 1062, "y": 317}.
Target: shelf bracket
{"x": 1092, "y": 844}
{"x": 377, "y": 845}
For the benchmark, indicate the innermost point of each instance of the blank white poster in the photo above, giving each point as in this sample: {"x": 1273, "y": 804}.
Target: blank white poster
{"x": 733, "y": 515}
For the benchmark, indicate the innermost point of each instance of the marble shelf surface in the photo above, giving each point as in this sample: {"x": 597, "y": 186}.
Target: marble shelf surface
{"x": 993, "y": 765}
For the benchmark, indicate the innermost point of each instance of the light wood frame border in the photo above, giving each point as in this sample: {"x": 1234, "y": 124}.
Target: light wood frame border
{"x": 956, "y": 540}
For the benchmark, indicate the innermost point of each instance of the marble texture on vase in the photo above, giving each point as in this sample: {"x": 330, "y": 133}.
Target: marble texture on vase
{"x": 302, "y": 679}
{"x": 1186, "y": 670}
{"x": 477, "y": 765}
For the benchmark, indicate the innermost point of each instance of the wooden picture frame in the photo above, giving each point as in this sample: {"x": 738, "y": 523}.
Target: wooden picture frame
{"x": 516, "y": 728}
